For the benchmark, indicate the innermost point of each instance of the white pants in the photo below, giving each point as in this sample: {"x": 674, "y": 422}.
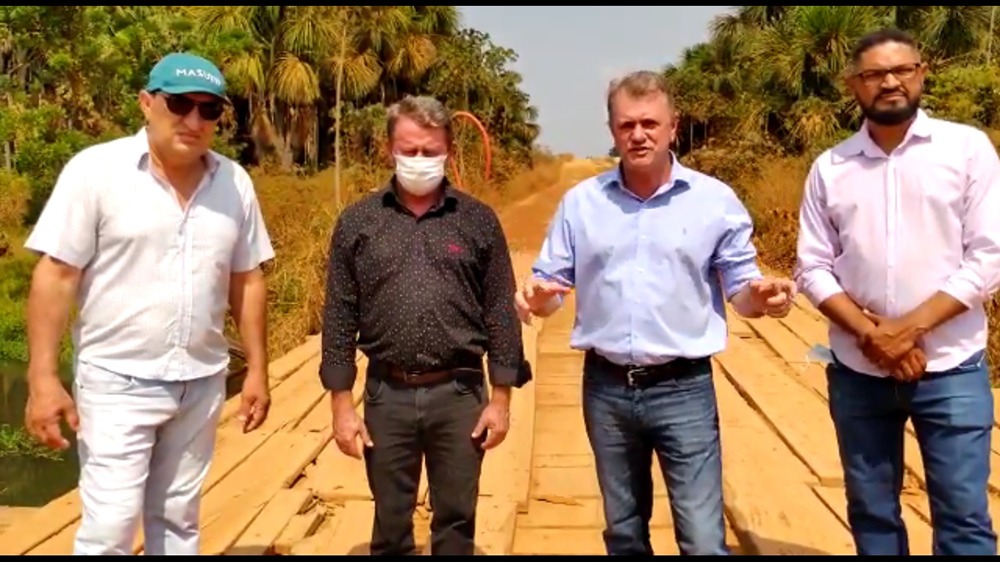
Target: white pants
{"x": 145, "y": 448}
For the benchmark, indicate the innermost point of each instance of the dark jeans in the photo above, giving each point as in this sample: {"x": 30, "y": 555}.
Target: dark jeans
{"x": 952, "y": 415}
{"x": 407, "y": 424}
{"x": 678, "y": 420}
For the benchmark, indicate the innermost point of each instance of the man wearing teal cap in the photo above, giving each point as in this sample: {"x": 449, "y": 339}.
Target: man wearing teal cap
{"x": 155, "y": 236}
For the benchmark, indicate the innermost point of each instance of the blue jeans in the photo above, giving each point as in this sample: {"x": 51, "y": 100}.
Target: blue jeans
{"x": 678, "y": 420}
{"x": 952, "y": 413}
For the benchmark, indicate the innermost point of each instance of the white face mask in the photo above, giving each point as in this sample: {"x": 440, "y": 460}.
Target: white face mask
{"x": 420, "y": 175}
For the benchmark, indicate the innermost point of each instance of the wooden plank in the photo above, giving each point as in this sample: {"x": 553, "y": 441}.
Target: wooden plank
{"x": 10, "y": 514}
{"x": 766, "y": 488}
{"x": 278, "y": 371}
{"x": 352, "y": 535}
{"x": 234, "y": 504}
{"x": 317, "y": 542}
{"x": 795, "y": 415}
{"x": 259, "y": 537}
{"x": 737, "y": 326}
{"x": 581, "y": 482}
{"x": 557, "y": 395}
{"x": 337, "y": 477}
{"x": 46, "y": 522}
{"x": 582, "y": 513}
{"x": 786, "y": 344}
{"x": 918, "y": 530}
{"x": 996, "y": 407}
{"x": 559, "y": 460}
{"x": 579, "y": 542}
{"x": 803, "y": 304}
{"x": 299, "y": 527}
{"x": 807, "y": 328}
{"x": 495, "y": 522}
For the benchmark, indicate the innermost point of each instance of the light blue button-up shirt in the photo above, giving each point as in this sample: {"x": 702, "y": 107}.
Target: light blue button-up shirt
{"x": 650, "y": 276}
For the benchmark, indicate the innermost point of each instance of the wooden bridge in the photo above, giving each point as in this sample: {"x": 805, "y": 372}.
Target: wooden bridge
{"x": 286, "y": 489}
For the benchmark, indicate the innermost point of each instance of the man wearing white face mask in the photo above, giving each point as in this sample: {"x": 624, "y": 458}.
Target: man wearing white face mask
{"x": 420, "y": 279}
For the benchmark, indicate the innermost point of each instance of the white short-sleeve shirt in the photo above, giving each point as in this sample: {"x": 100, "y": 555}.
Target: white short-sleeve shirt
{"x": 154, "y": 293}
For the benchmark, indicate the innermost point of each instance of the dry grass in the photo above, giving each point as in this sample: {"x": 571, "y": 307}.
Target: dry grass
{"x": 300, "y": 214}
{"x": 773, "y": 195}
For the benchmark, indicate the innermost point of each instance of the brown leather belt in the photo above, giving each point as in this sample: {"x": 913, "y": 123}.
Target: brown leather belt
{"x": 429, "y": 377}
{"x": 645, "y": 375}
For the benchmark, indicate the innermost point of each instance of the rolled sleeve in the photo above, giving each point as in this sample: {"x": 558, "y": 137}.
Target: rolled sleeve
{"x": 735, "y": 255}
{"x": 66, "y": 230}
{"x": 556, "y": 261}
{"x": 818, "y": 244}
{"x": 253, "y": 246}
{"x": 505, "y": 354}
{"x": 977, "y": 277}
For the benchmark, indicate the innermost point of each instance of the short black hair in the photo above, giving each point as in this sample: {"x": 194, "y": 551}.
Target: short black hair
{"x": 884, "y": 35}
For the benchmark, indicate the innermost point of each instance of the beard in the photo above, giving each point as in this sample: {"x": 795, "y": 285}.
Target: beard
{"x": 890, "y": 116}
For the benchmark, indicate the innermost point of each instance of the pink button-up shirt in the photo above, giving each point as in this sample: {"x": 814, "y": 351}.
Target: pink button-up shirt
{"x": 891, "y": 230}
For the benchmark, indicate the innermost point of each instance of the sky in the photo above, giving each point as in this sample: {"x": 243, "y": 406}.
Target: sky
{"x": 568, "y": 56}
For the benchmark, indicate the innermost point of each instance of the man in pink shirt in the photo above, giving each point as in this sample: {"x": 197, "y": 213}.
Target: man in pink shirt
{"x": 899, "y": 246}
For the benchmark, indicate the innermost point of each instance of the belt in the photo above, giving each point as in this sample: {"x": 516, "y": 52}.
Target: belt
{"x": 425, "y": 378}
{"x": 645, "y": 375}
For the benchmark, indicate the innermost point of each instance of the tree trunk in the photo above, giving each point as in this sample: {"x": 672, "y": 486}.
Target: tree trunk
{"x": 336, "y": 126}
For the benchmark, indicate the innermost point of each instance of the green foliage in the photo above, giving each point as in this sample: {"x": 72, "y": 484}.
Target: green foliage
{"x": 70, "y": 78}
{"x": 15, "y": 442}
{"x": 774, "y": 74}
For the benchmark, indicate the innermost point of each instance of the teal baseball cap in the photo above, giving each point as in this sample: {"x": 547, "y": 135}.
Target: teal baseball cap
{"x": 184, "y": 73}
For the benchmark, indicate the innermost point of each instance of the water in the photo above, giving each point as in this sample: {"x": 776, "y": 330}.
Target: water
{"x": 32, "y": 481}
{"x": 27, "y": 480}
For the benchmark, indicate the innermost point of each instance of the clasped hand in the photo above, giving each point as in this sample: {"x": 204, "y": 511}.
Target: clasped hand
{"x": 892, "y": 345}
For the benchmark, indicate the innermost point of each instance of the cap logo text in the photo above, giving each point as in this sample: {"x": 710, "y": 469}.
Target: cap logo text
{"x": 198, "y": 73}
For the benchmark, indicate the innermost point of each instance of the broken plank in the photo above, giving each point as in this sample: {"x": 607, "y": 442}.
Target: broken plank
{"x": 352, "y": 536}
{"x": 766, "y": 488}
{"x": 797, "y": 416}
{"x": 234, "y": 504}
{"x": 316, "y": 543}
{"x": 299, "y": 527}
{"x": 260, "y": 536}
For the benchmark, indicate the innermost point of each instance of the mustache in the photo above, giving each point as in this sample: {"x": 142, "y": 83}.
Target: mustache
{"x": 888, "y": 93}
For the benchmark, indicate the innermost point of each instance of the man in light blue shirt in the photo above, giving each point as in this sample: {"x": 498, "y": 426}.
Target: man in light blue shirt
{"x": 652, "y": 249}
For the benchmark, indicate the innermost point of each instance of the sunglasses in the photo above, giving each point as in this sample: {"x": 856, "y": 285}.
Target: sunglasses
{"x": 182, "y": 106}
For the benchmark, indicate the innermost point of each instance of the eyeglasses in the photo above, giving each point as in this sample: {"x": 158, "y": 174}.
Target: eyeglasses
{"x": 901, "y": 72}
{"x": 182, "y": 106}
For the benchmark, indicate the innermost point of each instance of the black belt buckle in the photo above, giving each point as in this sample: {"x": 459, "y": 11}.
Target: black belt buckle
{"x": 409, "y": 377}
{"x": 634, "y": 372}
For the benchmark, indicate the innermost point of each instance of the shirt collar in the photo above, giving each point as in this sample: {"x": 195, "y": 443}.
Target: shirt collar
{"x": 861, "y": 142}
{"x": 390, "y": 194}
{"x": 680, "y": 176}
